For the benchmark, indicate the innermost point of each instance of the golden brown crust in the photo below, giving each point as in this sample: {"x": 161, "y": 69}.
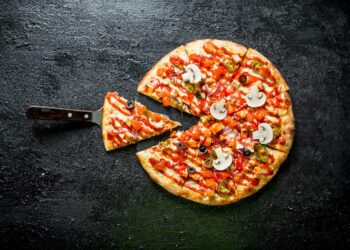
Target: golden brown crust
{"x": 107, "y": 109}
{"x": 156, "y": 176}
{"x": 287, "y": 131}
{"x": 216, "y": 200}
{"x": 197, "y": 46}
{"x": 274, "y": 71}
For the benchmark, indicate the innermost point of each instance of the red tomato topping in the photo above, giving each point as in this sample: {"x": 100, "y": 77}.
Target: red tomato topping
{"x": 136, "y": 124}
{"x": 176, "y": 60}
{"x": 159, "y": 165}
{"x": 261, "y": 113}
{"x": 208, "y": 62}
{"x": 219, "y": 72}
{"x": 210, "y": 48}
{"x": 249, "y": 117}
{"x": 166, "y": 101}
{"x": 239, "y": 163}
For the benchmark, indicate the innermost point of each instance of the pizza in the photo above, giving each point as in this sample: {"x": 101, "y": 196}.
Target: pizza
{"x": 246, "y": 122}
{"x": 126, "y": 122}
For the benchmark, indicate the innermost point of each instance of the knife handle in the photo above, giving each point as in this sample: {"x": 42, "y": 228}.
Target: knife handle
{"x": 61, "y": 114}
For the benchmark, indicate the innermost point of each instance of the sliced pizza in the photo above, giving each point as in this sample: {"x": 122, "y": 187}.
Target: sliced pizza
{"x": 127, "y": 122}
{"x": 164, "y": 83}
{"x": 257, "y": 70}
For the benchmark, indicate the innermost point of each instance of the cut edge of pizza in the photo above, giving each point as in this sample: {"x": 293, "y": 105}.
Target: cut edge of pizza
{"x": 128, "y": 122}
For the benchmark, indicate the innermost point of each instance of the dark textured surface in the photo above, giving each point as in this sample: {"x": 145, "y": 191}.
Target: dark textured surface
{"x": 59, "y": 188}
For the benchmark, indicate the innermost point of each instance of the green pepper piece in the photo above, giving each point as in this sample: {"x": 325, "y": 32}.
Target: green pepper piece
{"x": 147, "y": 113}
{"x": 276, "y": 131}
{"x": 260, "y": 149}
{"x": 256, "y": 66}
{"x": 164, "y": 143}
{"x": 208, "y": 163}
{"x": 205, "y": 118}
{"x": 222, "y": 189}
{"x": 231, "y": 67}
{"x": 190, "y": 87}
{"x": 263, "y": 158}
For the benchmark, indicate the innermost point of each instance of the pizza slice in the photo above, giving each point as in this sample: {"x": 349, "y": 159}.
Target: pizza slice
{"x": 127, "y": 122}
{"x": 257, "y": 70}
{"x": 164, "y": 83}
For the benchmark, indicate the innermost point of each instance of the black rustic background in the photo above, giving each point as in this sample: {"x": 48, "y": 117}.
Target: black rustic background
{"x": 60, "y": 189}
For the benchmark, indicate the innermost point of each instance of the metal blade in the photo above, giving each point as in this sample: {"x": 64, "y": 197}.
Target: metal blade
{"x": 97, "y": 117}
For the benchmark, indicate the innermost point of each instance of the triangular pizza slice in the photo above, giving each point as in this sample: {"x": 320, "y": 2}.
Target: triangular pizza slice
{"x": 126, "y": 122}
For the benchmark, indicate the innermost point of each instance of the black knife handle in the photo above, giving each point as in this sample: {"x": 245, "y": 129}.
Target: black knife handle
{"x": 62, "y": 114}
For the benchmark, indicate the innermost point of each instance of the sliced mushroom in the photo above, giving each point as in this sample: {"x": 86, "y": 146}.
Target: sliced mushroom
{"x": 223, "y": 161}
{"x": 218, "y": 111}
{"x": 255, "y": 98}
{"x": 193, "y": 74}
{"x": 264, "y": 133}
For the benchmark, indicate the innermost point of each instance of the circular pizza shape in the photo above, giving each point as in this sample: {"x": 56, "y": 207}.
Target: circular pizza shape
{"x": 246, "y": 123}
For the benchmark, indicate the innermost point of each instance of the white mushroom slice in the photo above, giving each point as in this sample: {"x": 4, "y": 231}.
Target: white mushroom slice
{"x": 218, "y": 111}
{"x": 264, "y": 133}
{"x": 223, "y": 161}
{"x": 196, "y": 72}
{"x": 193, "y": 74}
{"x": 188, "y": 76}
{"x": 255, "y": 98}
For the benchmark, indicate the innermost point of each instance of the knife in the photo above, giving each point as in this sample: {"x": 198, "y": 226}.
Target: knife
{"x": 50, "y": 113}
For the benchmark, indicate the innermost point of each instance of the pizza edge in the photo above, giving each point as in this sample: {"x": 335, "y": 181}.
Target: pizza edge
{"x": 274, "y": 71}
{"x": 197, "y": 46}
{"x": 155, "y": 175}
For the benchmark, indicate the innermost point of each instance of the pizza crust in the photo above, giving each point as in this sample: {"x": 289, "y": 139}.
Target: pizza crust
{"x": 106, "y": 110}
{"x": 197, "y": 47}
{"x": 287, "y": 130}
{"x": 216, "y": 200}
{"x": 155, "y": 175}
